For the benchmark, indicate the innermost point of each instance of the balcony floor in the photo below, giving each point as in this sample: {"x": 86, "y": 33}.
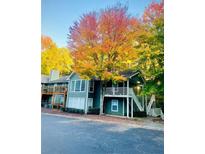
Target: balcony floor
{"x": 116, "y": 96}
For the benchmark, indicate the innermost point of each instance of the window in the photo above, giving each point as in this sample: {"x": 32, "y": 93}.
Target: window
{"x": 91, "y": 86}
{"x": 76, "y": 102}
{"x": 82, "y": 85}
{"x": 114, "y": 105}
{"x": 59, "y": 99}
{"x": 78, "y": 85}
{"x": 73, "y": 86}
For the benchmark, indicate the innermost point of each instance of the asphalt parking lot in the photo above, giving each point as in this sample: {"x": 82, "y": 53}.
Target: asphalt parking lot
{"x": 61, "y": 135}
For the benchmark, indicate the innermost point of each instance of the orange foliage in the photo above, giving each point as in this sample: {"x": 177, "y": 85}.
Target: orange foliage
{"x": 102, "y": 43}
{"x": 46, "y": 42}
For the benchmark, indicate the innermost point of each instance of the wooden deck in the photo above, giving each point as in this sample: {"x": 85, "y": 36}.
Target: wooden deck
{"x": 49, "y": 90}
{"x": 55, "y": 90}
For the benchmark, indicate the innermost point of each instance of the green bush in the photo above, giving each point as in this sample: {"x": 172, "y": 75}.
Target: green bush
{"x": 140, "y": 114}
{"x": 73, "y": 110}
{"x": 94, "y": 111}
{"x": 62, "y": 108}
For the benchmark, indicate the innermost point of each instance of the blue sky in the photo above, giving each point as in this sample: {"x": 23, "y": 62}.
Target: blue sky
{"x": 58, "y": 15}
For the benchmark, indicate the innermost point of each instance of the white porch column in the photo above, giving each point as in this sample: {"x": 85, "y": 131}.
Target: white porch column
{"x": 128, "y": 98}
{"x": 132, "y": 107}
{"x": 52, "y": 100}
{"x": 101, "y": 98}
{"x": 86, "y": 100}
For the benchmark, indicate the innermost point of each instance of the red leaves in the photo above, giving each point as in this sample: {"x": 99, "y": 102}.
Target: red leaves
{"x": 109, "y": 25}
{"x": 104, "y": 43}
{"x": 84, "y": 31}
{"x": 133, "y": 22}
{"x": 113, "y": 22}
{"x": 154, "y": 10}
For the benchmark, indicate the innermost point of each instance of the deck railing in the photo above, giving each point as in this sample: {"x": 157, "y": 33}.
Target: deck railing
{"x": 53, "y": 89}
{"x": 116, "y": 91}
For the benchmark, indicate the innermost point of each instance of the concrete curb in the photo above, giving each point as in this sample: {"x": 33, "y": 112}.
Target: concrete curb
{"x": 103, "y": 121}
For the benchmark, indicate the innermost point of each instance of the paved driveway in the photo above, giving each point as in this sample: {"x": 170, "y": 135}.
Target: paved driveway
{"x": 61, "y": 135}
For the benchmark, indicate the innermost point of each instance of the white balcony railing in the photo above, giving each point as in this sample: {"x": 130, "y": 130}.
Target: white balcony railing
{"x": 116, "y": 91}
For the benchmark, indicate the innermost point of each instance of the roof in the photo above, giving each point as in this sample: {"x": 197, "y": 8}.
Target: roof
{"x": 63, "y": 79}
{"x": 132, "y": 74}
{"x": 70, "y": 75}
{"x": 129, "y": 73}
{"x": 44, "y": 79}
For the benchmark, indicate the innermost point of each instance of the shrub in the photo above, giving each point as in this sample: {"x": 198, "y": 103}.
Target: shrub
{"x": 50, "y": 106}
{"x": 73, "y": 110}
{"x": 94, "y": 111}
{"x": 140, "y": 114}
{"x": 62, "y": 108}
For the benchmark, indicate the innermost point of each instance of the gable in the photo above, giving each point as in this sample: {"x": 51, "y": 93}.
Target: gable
{"x": 74, "y": 76}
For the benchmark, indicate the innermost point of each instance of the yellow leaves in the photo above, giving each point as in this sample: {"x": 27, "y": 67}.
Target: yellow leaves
{"x": 148, "y": 55}
{"x": 112, "y": 76}
{"x": 89, "y": 66}
{"x": 56, "y": 58}
{"x": 135, "y": 43}
{"x": 129, "y": 61}
{"x": 157, "y": 52}
{"x": 107, "y": 75}
{"x": 119, "y": 78}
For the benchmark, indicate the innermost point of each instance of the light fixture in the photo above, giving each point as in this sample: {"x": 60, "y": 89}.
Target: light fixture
{"x": 138, "y": 87}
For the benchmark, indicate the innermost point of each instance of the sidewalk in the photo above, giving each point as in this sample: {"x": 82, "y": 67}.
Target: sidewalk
{"x": 148, "y": 123}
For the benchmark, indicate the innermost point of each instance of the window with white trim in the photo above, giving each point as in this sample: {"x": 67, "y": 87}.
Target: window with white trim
{"x": 82, "y": 85}
{"x": 77, "y": 85}
{"x": 59, "y": 99}
{"x": 114, "y": 105}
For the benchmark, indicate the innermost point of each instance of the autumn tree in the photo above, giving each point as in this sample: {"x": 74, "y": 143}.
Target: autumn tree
{"x": 102, "y": 44}
{"x": 150, "y": 49}
{"x": 46, "y": 42}
{"x": 56, "y": 58}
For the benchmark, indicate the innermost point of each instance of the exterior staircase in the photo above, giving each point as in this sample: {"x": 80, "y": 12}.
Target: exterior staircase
{"x": 136, "y": 100}
{"x": 154, "y": 112}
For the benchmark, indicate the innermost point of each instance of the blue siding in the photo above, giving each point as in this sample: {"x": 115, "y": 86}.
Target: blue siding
{"x": 107, "y": 106}
{"x": 76, "y": 94}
